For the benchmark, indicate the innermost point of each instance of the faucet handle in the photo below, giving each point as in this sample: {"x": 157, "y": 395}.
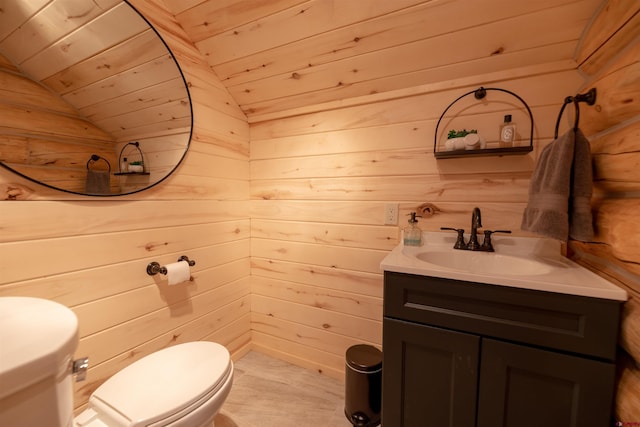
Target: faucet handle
{"x": 497, "y": 231}
{"x": 486, "y": 243}
{"x": 460, "y": 241}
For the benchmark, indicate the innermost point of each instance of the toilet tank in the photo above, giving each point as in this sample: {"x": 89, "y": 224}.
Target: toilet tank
{"x": 37, "y": 340}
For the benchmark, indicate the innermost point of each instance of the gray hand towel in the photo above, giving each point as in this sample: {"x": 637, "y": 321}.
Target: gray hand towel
{"x": 560, "y": 190}
{"x": 97, "y": 182}
{"x": 547, "y": 210}
{"x": 580, "y": 218}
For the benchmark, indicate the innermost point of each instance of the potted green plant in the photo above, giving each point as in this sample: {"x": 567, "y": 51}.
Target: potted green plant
{"x": 460, "y": 133}
{"x": 136, "y": 166}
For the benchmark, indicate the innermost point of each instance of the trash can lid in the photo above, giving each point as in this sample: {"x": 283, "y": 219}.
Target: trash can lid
{"x": 364, "y": 357}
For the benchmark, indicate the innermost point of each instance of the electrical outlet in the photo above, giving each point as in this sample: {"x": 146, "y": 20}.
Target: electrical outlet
{"x": 391, "y": 214}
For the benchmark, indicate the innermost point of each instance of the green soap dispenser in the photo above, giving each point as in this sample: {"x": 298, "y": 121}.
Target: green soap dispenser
{"x": 412, "y": 233}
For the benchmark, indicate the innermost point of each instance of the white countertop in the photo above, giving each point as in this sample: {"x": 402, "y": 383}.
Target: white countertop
{"x": 521, "y": 262}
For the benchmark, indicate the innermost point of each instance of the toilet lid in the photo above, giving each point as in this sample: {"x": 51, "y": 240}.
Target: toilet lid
{"x": 163, "y": 383}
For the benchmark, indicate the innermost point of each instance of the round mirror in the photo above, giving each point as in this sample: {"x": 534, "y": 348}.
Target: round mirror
{"x": 92, "y": 100}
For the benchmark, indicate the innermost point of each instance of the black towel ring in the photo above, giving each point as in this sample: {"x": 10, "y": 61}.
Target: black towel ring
{"x": 95, "y": 158}
{"x": 588, "y": 97}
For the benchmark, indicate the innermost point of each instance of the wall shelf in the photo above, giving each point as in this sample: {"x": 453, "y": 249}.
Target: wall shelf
{"x": 140, "y": 162}
{"x": 481, "y": 93}
{"x": 483, "y": 152}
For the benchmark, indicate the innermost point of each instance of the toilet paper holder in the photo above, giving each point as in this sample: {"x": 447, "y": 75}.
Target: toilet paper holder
{"x": 154, "y": 267}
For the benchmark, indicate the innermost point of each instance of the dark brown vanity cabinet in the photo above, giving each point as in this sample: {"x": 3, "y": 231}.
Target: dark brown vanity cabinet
{"x": 463, "y": 354}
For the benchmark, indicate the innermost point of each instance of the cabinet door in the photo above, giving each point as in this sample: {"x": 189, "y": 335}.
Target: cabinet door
{"x": 430, "y": 376}
{"x": 527, "y": 387}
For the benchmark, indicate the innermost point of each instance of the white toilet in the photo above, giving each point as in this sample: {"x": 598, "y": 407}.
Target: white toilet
{"x": 180, "y": 386}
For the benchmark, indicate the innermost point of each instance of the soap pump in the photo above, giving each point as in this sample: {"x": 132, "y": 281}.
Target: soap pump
{"x": 412, "y": 233}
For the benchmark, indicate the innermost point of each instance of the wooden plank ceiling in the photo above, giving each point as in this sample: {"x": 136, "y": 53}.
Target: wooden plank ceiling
{"x": 281, "y": 55}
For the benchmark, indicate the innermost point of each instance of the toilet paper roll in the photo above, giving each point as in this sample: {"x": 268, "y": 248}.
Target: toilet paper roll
{"x": 178, "y": 272}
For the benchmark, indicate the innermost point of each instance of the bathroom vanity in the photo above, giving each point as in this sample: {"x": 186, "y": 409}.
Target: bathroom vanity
{"x": 464, "y": 345}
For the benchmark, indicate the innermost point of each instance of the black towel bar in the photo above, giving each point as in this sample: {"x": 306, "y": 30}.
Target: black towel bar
{"x": 588, "y": 97}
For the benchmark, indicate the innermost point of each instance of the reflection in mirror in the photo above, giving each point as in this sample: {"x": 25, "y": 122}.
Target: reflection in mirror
{"x": 84, "y": 85}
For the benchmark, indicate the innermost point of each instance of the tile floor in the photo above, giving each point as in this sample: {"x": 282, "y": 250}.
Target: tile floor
{"x": 268, "y": 392}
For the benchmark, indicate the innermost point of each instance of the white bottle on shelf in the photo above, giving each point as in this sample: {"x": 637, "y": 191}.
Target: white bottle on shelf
{"x": 507, "y": 132}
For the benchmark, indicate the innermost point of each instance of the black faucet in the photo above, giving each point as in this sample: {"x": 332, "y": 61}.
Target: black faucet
{"x": 473, "y": 245}
{"x": 476, "y": 222}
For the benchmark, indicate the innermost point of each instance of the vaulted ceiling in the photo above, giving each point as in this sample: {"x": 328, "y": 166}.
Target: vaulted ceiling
{"x": 278, "y": 55}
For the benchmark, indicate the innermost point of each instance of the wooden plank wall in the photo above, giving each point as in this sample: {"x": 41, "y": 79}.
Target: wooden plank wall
{"x": 319, "y": 184}
{"x": 609, "y": 57}
{"x": 91, "y": 254}
{"x": 45, "y": 138}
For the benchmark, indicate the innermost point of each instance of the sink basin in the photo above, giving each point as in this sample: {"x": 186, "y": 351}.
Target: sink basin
{"x": 523, "y": 262}
{"x": 485, "y": 263}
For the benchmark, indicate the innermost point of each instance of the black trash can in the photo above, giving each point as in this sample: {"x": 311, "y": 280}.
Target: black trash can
{"x": 363, "y": 385}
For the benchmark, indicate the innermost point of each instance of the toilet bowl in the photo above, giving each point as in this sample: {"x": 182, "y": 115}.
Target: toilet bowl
{"x": 180, "y": 386}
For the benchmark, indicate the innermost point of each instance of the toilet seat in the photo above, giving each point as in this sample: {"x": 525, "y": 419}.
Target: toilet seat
{"x": 160, "y": 388}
